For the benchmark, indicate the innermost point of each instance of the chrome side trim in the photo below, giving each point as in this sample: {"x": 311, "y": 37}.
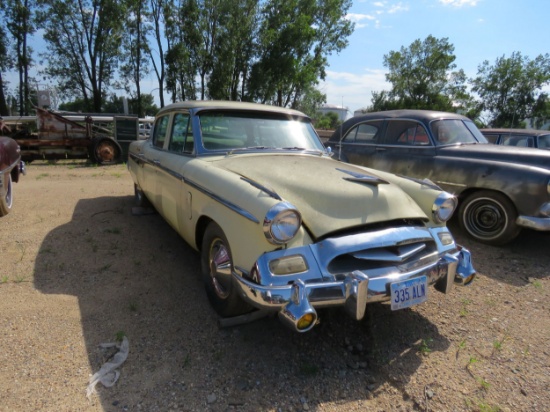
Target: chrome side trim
{"x": 537, "y": 223}
{"x": 236, "y": 208}
{"x": 226, "y": 203}
{"x": 264, "y": 189}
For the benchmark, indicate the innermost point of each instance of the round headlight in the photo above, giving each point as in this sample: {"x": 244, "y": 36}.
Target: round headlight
{"x": 444, "y": 207}
{"x": 281, "y": 223}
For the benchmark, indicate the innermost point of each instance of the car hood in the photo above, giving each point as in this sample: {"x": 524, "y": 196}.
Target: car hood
{"x": 324, "y": 190}
{"x": 510, "y": 154}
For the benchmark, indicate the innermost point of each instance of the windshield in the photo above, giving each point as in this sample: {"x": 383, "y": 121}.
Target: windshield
{"x": 453, "y": 131}
{"x": 236, "y": 130}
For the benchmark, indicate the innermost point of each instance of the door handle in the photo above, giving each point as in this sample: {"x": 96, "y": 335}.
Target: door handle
{"x": 156, "y": 162}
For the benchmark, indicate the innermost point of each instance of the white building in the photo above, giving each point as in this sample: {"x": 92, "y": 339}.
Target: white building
{"x": 342, "y": 111}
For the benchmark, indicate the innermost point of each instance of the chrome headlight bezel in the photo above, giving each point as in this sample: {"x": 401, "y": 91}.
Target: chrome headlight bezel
{"x": 444, "y": 206}
{"x": 281, "y": 223}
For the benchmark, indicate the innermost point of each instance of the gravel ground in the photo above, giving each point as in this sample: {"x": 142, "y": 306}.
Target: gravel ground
{"x": 79, "y": 269}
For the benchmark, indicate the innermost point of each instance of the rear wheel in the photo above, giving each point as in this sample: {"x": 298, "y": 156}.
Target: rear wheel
{"x": 489, "y": 217}
{"x": 6, "y": 197}
{"x": 105, "y": 152}
{"x": 217, "y": 265}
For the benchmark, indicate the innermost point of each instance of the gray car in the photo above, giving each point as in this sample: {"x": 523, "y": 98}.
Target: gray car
{"x": 500, "y": 189}
{"x": 539, "y": 139}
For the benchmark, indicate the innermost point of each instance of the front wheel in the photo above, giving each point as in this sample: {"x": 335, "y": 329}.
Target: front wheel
{"x": 217, "y": 265}
{"x": 6, "y": 197}
{"x": 489, "y": 217}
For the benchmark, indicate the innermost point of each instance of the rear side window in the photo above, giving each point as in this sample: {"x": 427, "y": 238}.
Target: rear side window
{"x": 517, "y": 140}
{"x": 406, "y": 133}
{"x": 181, "y": 139}
{"x": 364, "y": 132}
{"x": 160, "y": 131}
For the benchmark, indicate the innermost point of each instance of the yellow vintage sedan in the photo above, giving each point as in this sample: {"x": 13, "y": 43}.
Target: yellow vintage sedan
{"x": 281, "y": 226}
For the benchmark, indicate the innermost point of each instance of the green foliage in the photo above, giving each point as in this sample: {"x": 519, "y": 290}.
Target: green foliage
{"x": 422, "y": 77}
{"x": 329, "y": 120}
{"x": 511, "y": 89}
{"x": 294, "y": 40}
{"x": 83, "y": 46}
{"x": 311, "y": 102}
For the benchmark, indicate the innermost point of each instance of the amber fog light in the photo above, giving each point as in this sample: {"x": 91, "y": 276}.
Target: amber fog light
{"x": 306, "y": 321}
{"x": 288, "y": 264}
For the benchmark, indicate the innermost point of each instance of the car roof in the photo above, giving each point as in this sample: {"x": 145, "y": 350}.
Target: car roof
{"x": 531, "y": 132}
{"x": 422, "y": 115}
{"x": 228, "y": 105}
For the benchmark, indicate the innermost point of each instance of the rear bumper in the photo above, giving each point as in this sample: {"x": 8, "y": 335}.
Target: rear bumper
{"x": 355, "y": 289}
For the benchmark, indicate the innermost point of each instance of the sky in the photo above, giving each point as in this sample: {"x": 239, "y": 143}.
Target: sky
{"x": 479, "y": 30}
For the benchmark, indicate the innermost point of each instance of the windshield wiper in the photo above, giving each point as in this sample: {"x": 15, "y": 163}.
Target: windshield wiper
{"x": 294, "y": 148}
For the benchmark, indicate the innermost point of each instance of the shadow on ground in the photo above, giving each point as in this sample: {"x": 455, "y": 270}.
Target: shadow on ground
{"x": 134, "y": 274}
{"x": 507, "y": 263}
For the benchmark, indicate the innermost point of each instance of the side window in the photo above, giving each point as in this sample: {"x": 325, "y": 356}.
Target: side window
{"x": 517, "y": 140}
{"x": 180, "y": 133}
{"x": 364, "y": 133}
{"x": 160, "y": 129}
{"x": 544, "y": 142}
{"x": 406, "y": 133}
{"x": 492, "y": 138}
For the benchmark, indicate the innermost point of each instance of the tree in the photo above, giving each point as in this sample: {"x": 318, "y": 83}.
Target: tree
{"x": 311, "y": 102}
{"x": 183, "y": 41}
{"x": 234, "y": 50}
{"x": 20, "y": 23}
{"x": 6, "y": 62}
{"x": 295, "y": 38}
{"x": 83, "y": 42}
{"x": 511, "y": 90}
{"x": 422, "y": 78}
{"x": 157, "y": 16}
{"x": 135, "y": 49}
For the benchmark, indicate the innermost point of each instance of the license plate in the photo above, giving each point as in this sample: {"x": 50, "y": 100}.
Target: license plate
{"x": 408, "y": 293}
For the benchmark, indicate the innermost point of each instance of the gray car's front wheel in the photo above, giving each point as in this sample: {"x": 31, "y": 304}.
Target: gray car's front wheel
{"x": 217, "y": 265}
{"x": 6, "y": 198}
{"x": 489, "y": 217}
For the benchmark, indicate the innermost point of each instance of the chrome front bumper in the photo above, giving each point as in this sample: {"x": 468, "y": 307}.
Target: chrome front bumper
{"x": 316, "y": 288}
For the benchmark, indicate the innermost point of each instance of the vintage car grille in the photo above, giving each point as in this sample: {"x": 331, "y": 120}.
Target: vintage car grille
{"x": 381, "y": 260}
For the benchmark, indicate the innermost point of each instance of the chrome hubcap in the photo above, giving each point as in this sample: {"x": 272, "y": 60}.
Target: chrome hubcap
{"x": 220, "y": 268}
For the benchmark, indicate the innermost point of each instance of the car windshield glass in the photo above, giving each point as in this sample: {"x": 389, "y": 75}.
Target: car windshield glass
{"x": 454, "y": 131}
{"x": 236, "y": 130}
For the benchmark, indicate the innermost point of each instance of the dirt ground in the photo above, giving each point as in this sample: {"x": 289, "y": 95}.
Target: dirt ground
{"x": 79, "y": 269}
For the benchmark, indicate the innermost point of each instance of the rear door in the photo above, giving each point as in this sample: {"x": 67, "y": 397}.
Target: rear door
{"x": 151, "y": 155}
{"x": 170, "y": 184}
{"x": 405, "y": 149}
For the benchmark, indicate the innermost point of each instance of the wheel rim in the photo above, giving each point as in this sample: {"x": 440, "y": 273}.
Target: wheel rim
{"x": 485, "y": 218}
{"x": 105, "y": 152}
{"x": 8, "y": 198}
{"x": 220, "y": 268}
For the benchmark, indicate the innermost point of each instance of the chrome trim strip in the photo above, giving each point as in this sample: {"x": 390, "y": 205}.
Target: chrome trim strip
{"x": 362, "y": 178}
{"x": 537, "y": 223}
{"x": 224, "y": 202}
{"x": 264, "y": 189}
{"x": 237, "y": 209}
